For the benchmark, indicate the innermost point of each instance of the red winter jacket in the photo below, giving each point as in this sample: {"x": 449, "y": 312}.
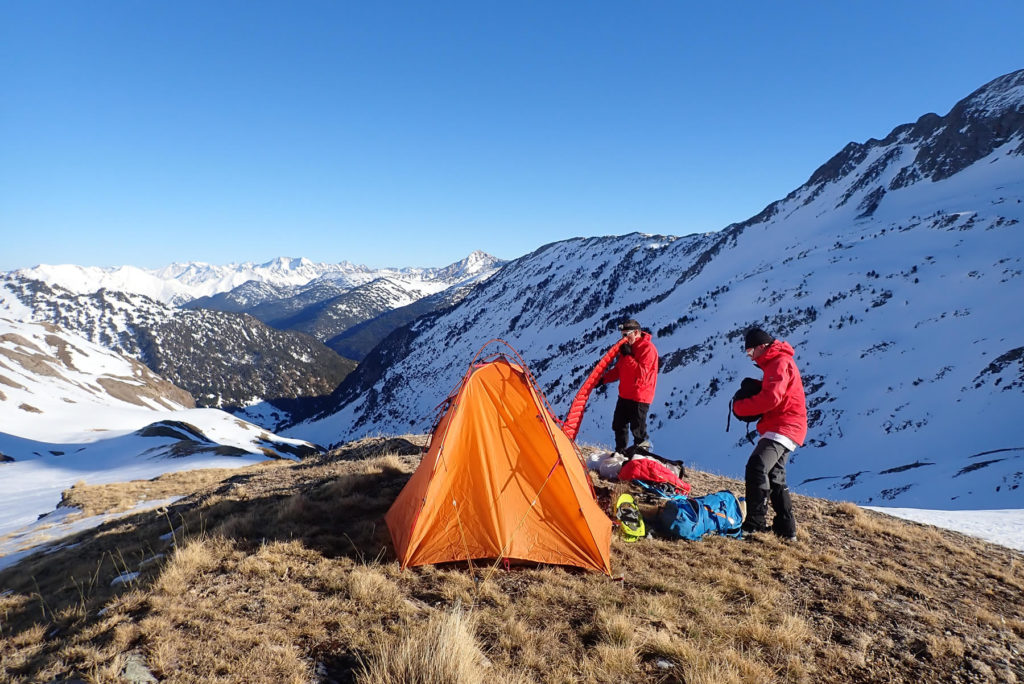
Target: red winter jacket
{"x": 637, "y": 373}
{"x": 781, "y": 398}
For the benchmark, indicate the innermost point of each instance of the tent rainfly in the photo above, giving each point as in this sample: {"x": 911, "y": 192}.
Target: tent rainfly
{"x": 500, "y": 480}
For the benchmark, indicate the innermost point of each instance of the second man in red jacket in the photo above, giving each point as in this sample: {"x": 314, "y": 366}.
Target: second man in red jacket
{"x": 783, "y": 427}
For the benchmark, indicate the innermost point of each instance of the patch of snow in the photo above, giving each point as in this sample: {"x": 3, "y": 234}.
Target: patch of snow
{"x": 1004, "y": 527}
{"x": 124, "y": 578}
{"x": 44, "y": 533}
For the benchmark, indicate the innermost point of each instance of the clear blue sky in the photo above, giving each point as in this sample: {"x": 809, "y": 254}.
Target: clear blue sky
{"x": 409, "y": 134}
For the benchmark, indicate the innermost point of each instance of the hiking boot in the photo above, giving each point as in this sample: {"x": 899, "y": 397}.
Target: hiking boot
{"x": 646, "y": 445}
{"x": 750, "y": 532}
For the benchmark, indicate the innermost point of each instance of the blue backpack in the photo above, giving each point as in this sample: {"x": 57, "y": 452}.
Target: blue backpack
{"x": 718, "y": 513}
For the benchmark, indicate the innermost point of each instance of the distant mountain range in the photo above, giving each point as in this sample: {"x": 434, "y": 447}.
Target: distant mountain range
{"x": 246, "y": 285}
{"x": 214, "y": 346}
{"x": 330, "y": 305}
{"x": 895, "y": 271}
{"x": 179, "y": 283}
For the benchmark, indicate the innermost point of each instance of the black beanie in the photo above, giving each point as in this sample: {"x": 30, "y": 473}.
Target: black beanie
{"x": 755, "y": 337}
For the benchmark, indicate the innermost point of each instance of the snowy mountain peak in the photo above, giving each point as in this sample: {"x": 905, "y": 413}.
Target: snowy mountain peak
{"x": 860, "y": 178}
{"x": 1003, "y": 94}
{"x": 477, "y": 257}
{"x": 473, "y": 265}
{"x": 288, "y": 264}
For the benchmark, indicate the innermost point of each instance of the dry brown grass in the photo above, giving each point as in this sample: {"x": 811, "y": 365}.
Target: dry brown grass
{"x": 122, "y": 496}
{"x": 285, "y": 573}
{"x": 443, "y": 651}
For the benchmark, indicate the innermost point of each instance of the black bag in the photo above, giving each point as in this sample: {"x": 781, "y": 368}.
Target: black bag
{"x": 749, "y": 387}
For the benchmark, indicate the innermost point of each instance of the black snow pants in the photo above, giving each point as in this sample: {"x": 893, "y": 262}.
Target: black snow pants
{"x": 629, "y": 416}
{"x": 766, "y": 479}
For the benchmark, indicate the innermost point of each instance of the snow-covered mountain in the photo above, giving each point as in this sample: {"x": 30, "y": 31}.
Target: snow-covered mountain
{"x": 895, "y": 271}
{"x": 179, "y": 283}
{"x": 73, "y": 410}
{"x": 331, "y": 319}
{"x": 269, "y": 303}
{"x": 223, "y": 359}
{"x": 50, "y": 380}
{"x": 227, "y": 359}
{"x": 282, "y": 277}
{"x": 328, "y": 306}
{"x": 358, "y": 340}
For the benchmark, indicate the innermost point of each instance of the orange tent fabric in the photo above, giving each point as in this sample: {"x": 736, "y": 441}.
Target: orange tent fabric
{"x": 500, "y": 480}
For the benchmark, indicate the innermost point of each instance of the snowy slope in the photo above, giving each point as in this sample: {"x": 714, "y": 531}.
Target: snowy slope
{"x": 895, "y": 271}
{"x": 1004, "y": 527}
{"x": 56, "y": 386}
{"x": 223, "y": 359}
{"x": 72, "y": 410}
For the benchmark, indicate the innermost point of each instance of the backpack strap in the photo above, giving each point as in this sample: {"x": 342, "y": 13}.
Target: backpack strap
{"x": 658, "y": 491}
{"x": 746, "y": 423}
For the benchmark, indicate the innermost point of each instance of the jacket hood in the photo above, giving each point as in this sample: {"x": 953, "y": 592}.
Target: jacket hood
{"x": 776, "y": 349}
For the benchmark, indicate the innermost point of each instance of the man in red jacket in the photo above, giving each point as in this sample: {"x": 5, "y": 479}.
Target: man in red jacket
{"x": 783, "y": 427}
{"x": 637, "y": 374}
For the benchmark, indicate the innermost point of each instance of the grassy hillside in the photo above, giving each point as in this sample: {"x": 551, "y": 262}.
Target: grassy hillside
{"x": 283, "y": 572}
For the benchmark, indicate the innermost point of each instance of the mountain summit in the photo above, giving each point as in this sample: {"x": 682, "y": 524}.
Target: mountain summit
{"x": 934, "y": 148}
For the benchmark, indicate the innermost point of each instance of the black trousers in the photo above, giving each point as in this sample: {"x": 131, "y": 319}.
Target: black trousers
{"x": 766, "y": 479}
{"x": 629, "y": 416}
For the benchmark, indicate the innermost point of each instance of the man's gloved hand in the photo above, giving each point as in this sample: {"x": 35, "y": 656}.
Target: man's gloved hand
{"x": 626, "y": 350}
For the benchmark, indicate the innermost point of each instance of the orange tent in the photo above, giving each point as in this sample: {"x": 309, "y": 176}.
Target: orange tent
{"x": 500, "y": 480}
